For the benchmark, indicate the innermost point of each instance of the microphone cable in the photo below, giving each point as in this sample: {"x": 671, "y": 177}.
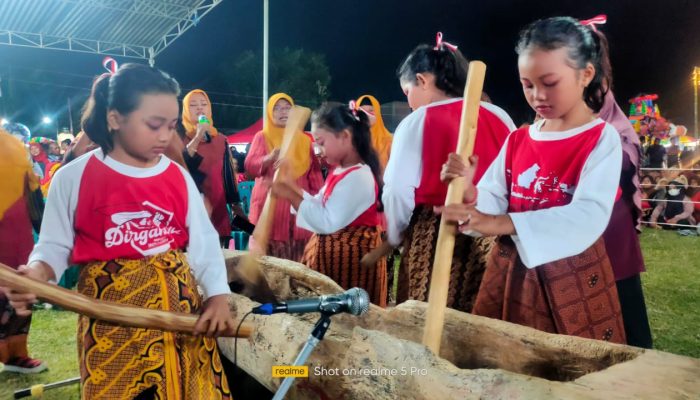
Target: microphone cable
{"x": 235, "y": 339}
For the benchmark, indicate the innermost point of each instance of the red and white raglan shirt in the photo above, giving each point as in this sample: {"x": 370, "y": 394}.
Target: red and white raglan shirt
{"x": 557, "y": 187}
{"x": 99, "y": 209}
{"x": 348, "y": 198}
{"x": 422, "y": 142}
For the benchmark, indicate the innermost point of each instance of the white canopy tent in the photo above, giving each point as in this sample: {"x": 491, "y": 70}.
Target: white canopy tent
{"x": 139, "y": 29}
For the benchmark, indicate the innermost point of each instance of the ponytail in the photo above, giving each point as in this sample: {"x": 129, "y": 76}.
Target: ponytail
{"x": 446, "y": 63}
{"x": 94, "y": 119}
{"x": 602, "y": 81}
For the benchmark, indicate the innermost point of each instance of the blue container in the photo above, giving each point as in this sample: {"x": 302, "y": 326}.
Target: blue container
{"x": 245, "y": 190}
{"x": 240, "y": 239}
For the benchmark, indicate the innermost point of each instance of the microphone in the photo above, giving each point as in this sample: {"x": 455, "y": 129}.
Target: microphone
{"x": 202, "y": 119}
{"x": 354, "y": 301}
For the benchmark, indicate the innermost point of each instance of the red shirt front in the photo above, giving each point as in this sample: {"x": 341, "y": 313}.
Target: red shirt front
{"x": 441, "y": 132}
{"x": 544, "y": 173}
{"x": 371, "y": 216}
{"x": 118, "y": 216}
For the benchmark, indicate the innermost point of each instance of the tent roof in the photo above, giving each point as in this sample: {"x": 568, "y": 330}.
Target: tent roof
{"x": 126, "y": 28}
{"x": 246, "y": 135}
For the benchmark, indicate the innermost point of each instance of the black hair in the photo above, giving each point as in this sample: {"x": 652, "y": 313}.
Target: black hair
{"x": 337, "y": 117}
{"x": 66, "y": 141}
{"x": 584, "y": 44}
{"x": 121, "y": 92}
{"x": 448, "y": 65}
{"x": 651, "y": 178}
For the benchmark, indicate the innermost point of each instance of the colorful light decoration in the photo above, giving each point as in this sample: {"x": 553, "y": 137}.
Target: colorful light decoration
{"x": 646, "y": 118}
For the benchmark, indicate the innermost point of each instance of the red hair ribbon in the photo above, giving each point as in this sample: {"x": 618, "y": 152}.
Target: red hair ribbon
{"x": 110, "y": 65}
{"x": 353, "y": 108}
{"x": 597, "y": 20}
{"x": 439, "y": 43}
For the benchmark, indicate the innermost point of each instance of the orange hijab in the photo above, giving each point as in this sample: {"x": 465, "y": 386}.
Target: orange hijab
{"x": 191, "y": 126}
{"x": 15, "y": 170}
{"x": 299, "y": 155}
{"x": 381, "y": 137}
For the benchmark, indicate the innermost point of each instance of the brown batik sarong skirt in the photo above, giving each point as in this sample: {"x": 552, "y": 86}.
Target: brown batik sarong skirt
{"x": 573, "y": 296}
{"x": 338, "y": 257}
{"x": 468, "y": 262}
{"x": 123, "y": 363}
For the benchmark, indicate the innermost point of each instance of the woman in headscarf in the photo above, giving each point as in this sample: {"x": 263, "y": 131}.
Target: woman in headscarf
{"x": 209, "y": 160}
{"x": 381, "y": 137}
{"x": 43, "y": 166}
{"x": 40, "y": 160}
{"x": 17, "y": 182}
{"x": 621, "y": 235}
{"x": 286, "y": 239}
{"x": 381, "y": 143}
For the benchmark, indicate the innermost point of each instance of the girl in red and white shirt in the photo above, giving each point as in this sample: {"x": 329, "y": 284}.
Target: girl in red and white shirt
{"x": 126, "y": 213}
{"x": 550, "y": 192}
{"x": 433, "y": 79}
{"x": 345, "y": 214}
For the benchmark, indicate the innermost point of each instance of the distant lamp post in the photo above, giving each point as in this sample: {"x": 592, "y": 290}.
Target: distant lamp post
{"x": 46, "y": 120}
{"x": 4, "y": 121}
{"x": 696, "y": 82}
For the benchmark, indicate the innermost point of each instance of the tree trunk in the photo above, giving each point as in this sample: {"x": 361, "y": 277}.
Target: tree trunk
{"x": 379, "y": 355}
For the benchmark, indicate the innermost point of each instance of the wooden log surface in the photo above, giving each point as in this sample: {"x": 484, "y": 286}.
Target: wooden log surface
{"x": 479, "y": 357}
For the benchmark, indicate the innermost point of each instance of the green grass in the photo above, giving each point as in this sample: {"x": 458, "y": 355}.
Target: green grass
{"x": 672, "y": 290}
{"x": 52, "y": 338}
{"x": 671, "y": 287}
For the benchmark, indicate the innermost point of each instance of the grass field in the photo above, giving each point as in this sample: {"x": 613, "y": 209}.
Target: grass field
{"x": 671, "y": 284}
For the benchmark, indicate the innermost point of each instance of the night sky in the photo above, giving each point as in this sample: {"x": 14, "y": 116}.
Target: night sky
{"x": 654, "y": 46}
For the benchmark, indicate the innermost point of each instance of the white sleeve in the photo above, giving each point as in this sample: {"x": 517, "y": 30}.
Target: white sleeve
{"x": 551, "y": 234}
{"x": 402, "y": 175}
{"x": 492, "y": 195}
{"x": 203, "y": 251}
{"x": 501, "y": 114}
{"x": 352, "y": 196}
{"x": 57, "y": 235}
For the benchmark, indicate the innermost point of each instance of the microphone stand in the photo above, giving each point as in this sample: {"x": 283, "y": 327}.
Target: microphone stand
{"x": 316, "y": 336}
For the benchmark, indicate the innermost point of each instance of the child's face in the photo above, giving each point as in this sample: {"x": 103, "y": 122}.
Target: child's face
{"x": 421, "y": 91}
{"x": 198, "y": 106}
{"x": 145, "y": 133}
{"x": 332, "y": 146}
{"x": 551, "y": 86}
{"x": 54, "y": 149}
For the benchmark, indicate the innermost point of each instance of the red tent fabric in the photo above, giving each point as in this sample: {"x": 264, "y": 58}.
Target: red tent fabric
{"x": 246, "y": 135}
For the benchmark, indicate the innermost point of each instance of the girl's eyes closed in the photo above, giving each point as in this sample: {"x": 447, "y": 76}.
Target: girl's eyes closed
{"x": 154, "y": 126}
{"x": 550, "y": 84}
